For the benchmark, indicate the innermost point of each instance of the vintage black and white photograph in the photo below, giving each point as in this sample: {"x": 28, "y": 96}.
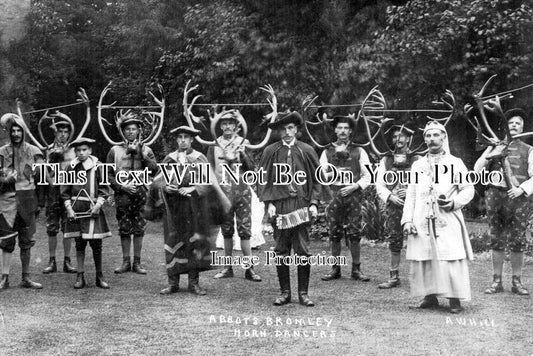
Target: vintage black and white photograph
{"x": 230, "y": 177}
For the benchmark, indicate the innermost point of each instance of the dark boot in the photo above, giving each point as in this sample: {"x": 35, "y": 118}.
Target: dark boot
{"x": 250, "y": 275}
{"x": 100, "y": 282}
{"x": 496, "y": 286}
{"x": 455, "y": 306}
{"x": 335, "y": 273}
{"x": 518, "y": 288}
{"x": 28, "y": 283}
{"x": 194, "y": 286}
{"x": 394, "y": 280}
{"x": 303, "y": 285}
{"x": 227, "y": 272}
{"x": 357, "y": 274}
{"x": 284, "y": 278}
{"x": 4, "y": 283}
{"x": 67, "y": 267}
{"x": 173, "y": 285}
{"x": 137, "y": 268}
{"x": 97, "y": 256}
{"x": 430, "y": 301}
{"x": 125, "y": 267}
{"x": 52, "y": 266}
{"x": 80, "y": 281}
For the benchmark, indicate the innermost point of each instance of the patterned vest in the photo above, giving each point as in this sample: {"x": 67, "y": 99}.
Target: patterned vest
{"x": 345, "y": 160}
{"x": 389, "y": 166}
{"x": 518, "y": 153}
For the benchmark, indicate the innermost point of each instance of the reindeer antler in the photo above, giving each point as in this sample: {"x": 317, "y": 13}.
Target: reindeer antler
{"x": 152, "y": 115}
{"x": 189, "y": 116}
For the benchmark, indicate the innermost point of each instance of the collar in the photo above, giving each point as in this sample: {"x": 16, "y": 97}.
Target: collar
{"x": 290, "y": 144}
{"x": 89, "y": 163}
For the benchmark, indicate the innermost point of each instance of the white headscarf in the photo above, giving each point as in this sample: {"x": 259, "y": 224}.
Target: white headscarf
{"x": 435, "y": 125}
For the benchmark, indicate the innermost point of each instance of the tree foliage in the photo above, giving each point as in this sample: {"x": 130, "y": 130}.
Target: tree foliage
{"x": 338, "y": 50}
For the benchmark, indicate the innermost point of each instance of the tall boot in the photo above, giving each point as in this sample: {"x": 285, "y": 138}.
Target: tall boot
{"x": 496, "y": 286}
{"x": 97, "y": 256}
{"x": 67, "y": 266}
{"x": 194, "y": 286}
{"x": 357, "y": 274}
{"x": 303, "y": 285}
{"x": 335, "y": 273}
{"x": 25, "y": 256}
{"x": 4, "y": 283}
{"x": 80, "y": 281}
{"x": 137, "y": 268}
{"x": 173, "y": 285}
{"x": 394, "y": 280}
{"x": 125, "y": 243}
{"x": 125, "y": 267}
{"x": 284, "y": 278}
{"x": 52, "y": 266}
{"x": 517, "y": 287}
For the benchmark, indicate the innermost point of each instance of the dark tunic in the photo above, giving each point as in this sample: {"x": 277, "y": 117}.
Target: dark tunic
{"x": 186, "y": 222}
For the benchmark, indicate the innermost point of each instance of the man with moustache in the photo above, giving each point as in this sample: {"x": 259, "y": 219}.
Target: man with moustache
{"x": 393, "y": 195}
{"x": 509, "y": 208}
{"x": 438, "y": 245}
{"x": 131, "y": 155}
{"x": 55, "y": 209}
{"x": 18, "y": 201}
{"x": 290, "y": 206}
{"x": 230, "y": 150}
{"x": 344, "y": 211}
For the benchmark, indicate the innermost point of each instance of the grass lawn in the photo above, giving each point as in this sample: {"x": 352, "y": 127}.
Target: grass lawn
{"x": 350, "y": 317}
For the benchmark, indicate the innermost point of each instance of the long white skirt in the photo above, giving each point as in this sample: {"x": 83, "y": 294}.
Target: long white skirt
{"x": 450, "y": 279}
{"x": 257, "y": 239}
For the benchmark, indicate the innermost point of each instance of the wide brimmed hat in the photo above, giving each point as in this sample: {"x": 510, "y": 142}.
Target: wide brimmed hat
{"x": 60, "y": 123}
{"x": 292, "y": 117}
{"x": 185, "y": 129}
{"x": 82, "y": 141}
{"x": 515, "y": 112}
{"x": 131, "y": 120}
{"x": 341, "y": 118}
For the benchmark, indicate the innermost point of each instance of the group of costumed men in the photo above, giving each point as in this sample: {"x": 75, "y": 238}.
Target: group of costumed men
{"x": 428, "y": 213}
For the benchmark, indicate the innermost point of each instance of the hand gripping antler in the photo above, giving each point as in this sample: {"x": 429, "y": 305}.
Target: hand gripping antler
{"x": 154, "y": 118}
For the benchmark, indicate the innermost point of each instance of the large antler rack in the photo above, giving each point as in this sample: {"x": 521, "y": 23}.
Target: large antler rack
{"x": 152, "y": 116}
{"x": 373, "y": 113}
{"x": 84, "y": 99}
{"x": 323, "y": 121}
{"x": 215, "y": 117}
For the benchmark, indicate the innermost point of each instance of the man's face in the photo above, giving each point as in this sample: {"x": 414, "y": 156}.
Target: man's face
{"x": 16, "y": 134}
{"x": 516, "y": 125}
{"x": 434, "y": 138}
{"x": 228, "y": 127}
{"x": 83, "y": 152}
{"x": 399, "y": 139}
{"x": 131, "y": 132}
{"x": 343, "y": 131}
{"x": 288, "y": 132}
{"x": 184, "y": 141}
{"x": 62, "y": 134}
